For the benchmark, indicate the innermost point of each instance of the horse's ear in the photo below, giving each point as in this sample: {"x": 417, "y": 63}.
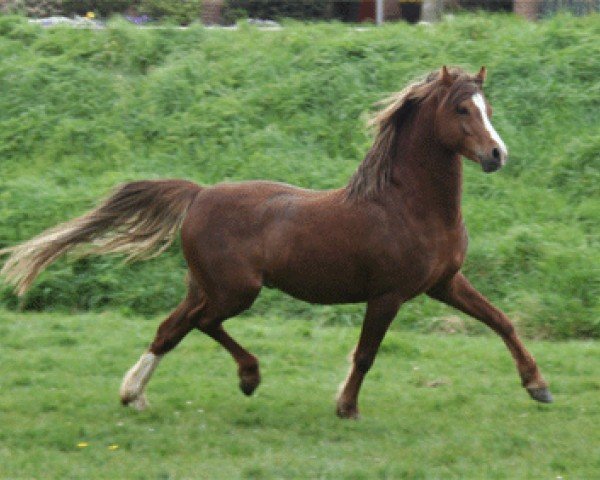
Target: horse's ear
{"x": 446, "y": 77}
{"x": 481, "y": 75}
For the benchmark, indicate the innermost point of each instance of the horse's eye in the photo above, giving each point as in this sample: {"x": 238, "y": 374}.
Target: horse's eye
{"x": 462, "y": 111}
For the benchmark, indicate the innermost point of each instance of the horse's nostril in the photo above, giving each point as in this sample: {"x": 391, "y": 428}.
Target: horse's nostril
{"x": 496, "y": 153}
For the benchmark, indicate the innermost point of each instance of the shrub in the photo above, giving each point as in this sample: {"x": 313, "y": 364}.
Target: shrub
{"x": 274, "y": 10}
{"x": 49, "y": 8}
{"x": 181, "y": 11}
{"x": 33, "y": 8}
{"x": 101, "y": 7}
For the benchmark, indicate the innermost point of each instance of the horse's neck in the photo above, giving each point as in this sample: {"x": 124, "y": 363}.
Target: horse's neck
{"x": 426, "y": 175}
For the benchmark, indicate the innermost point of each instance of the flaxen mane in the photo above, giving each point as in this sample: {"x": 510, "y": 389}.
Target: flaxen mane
{"x": 375, "y": 171}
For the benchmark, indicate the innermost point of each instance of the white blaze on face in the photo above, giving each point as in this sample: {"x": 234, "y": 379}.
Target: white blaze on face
{"x": 480, "y": 104}
{"x": 137, "y": 377}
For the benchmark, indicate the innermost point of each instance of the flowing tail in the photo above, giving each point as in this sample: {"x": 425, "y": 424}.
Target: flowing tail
{"x": 139, "y": 219}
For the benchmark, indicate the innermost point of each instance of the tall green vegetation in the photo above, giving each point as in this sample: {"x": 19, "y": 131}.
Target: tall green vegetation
{"x": 83, "y": 110}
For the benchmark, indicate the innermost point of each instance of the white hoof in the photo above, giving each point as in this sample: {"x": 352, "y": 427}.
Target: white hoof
{"x": 140, "y": 403}
{"x": 135, "y": 380}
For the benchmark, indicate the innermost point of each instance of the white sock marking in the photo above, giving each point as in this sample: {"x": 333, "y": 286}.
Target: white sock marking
{"x": 480, "y": 104}
{"x": 137, "y": 377}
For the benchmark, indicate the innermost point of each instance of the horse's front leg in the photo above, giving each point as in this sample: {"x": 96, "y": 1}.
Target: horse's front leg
{"x": 459, "y": 293}
{"x": 380, "y": 313}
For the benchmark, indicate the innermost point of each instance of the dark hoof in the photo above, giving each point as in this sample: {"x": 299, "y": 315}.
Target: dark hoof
{"x": 347, "y": 412}
{"x": 247, "y": 386}
{"x": 540, "y": 394}
{"x": 249, "y": 379}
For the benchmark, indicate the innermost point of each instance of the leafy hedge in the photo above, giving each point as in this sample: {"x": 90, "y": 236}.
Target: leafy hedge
{"x": 180, "y": 11}
{"x": 275, "y": 10}
{"x": 48, "y": 8}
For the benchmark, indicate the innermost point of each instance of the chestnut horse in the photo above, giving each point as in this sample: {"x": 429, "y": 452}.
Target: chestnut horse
{"x": 394, "y": 232}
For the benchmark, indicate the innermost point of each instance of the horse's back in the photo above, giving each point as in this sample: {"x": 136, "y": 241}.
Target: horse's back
{"x": 243, "y": 206}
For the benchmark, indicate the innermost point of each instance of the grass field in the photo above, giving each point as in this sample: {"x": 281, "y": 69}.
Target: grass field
{"x": 59, "y": 377}
{"x": 81, "y": 111}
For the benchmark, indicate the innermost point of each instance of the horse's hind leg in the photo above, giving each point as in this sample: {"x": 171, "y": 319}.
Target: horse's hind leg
{"x": 226, "y": 306}
{"x": 170, "y": 332}
{"x": 248, "y": 370}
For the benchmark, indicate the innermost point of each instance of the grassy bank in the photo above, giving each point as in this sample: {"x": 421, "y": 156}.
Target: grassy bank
{"x": 59, "y": 377}
{"x": 81, "y": 111}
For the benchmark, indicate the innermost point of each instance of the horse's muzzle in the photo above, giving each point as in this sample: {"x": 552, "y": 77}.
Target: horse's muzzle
{"x": 489, "y": 166}
{"x": 494, "y": 161}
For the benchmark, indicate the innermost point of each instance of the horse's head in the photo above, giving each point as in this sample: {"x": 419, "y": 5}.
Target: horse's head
{"x": 462, "y": 121}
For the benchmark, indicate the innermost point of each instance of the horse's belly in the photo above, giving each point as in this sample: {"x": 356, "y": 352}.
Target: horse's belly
{"x": 323, "y": 293}
{"x": 342, "y": 268}
{"x": 319, "y": 281}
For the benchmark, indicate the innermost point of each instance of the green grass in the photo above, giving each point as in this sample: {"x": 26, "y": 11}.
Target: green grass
{"x": 81, "y": 111}
{"x": 59, "y": 377}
